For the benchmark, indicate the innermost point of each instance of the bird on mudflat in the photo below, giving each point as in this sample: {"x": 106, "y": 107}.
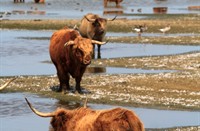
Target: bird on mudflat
{"x": 140, "y": 29}
{"x": 165, "y": 29}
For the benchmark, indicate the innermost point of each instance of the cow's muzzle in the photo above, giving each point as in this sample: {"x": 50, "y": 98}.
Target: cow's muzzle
{"x": 101, "y": 31}
{"x": 87, "y": 60}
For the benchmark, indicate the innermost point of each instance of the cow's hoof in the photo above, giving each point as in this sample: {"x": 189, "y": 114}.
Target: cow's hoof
{"x": 71, "y": 91}
{"x": 83, "y": 91}
{"x": 56, "y": 88}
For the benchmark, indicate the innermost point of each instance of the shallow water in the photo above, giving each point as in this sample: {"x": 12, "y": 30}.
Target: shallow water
{"x": 14, "y": 111}
{"x": 119, "y": 70}
{"x": 23, "y": 52}
{"x": 62, "y": 9}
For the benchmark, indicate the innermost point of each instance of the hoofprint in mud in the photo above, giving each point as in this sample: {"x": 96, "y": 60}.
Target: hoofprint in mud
{"x": 176, "y": 90}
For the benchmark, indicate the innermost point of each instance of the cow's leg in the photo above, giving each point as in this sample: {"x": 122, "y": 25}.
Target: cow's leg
{"x": 63, "y": 79}
{"x": 79, "y": 88}
{"x": 93, "y": 55}
{"x": 78, "y": 85}
{"x": 99, "y": 52}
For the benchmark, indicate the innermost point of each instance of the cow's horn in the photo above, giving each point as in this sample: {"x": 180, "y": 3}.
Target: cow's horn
{"x": 98, "y": 42}
{"x": 51, "y": 114}
{"x": 7, "y": 83}
{"x": 85, "y": 103}
{"x": 112, "y": 18}
{"x": 69, "y": 43}
{"x": 90, "y": 20}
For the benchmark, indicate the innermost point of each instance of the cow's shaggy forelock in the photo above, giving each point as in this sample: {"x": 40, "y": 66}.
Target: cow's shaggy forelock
{"x": 83, "y": 50}
{"x": 59, "y": 121}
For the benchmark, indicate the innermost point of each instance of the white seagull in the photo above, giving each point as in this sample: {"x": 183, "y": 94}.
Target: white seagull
{"x": 165, "y": 29}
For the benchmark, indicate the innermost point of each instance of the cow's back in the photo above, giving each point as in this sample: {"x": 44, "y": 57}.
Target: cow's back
{"x": 107, "y": 120}
{"x": 58, "y": 39}
{"x": 119, "y": 119}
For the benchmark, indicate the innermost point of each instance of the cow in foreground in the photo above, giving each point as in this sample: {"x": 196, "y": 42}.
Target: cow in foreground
{"x": 94, "y": 27}
{"x": 86, "y": 119}
{"x": 71, "y": 54}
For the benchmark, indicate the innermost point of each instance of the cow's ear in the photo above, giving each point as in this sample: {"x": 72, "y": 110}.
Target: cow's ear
{"x": 69, "y": 43}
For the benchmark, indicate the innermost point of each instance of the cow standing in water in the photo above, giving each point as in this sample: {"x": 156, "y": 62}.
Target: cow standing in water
{"x": 86, "y": 119}
{"x": 94, "y": 27}
{"x": 71, "y": 54}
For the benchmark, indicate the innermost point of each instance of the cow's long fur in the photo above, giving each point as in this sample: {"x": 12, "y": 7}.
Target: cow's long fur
{"x": 86, "y": 119}
{"x": 70, "y": 60}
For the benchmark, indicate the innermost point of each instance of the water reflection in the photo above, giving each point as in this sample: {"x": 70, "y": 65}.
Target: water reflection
{"x": 14, "y": 111}
{"x": 160, "y": 10}
{"x": 120, "y": 70}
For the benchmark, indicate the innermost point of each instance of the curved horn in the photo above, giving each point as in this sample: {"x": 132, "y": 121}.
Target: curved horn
{"x": 112, "y": 18}
{"x": 69, "y": 43}
{"x": 51, "y": 114}
{"x": 98, "y": 42}
{"x": 85, "y": 103}
{"x": 90, "y": 20}
{"x": 6, "y": 84}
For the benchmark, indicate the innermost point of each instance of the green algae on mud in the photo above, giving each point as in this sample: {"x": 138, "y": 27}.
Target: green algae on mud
{"x": 180, "y": 24}
{"x": 175, "y": 40}
{"x": 142, "y": 90}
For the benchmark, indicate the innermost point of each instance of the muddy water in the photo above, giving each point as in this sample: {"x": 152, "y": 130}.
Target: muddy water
{"x": 23, "y": 52}
{"x": 62, "y": 9}
{"x": 14, "y": 111}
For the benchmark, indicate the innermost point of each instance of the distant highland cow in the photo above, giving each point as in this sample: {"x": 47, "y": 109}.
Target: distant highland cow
{"x": 94, "y": 27}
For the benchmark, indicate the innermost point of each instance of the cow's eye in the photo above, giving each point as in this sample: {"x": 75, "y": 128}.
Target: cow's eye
{"x": 96, "y": 24}
{"x": 79, "y": 52}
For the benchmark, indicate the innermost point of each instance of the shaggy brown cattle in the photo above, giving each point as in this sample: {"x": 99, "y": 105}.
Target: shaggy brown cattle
{"x": 94, "y": 27}
{"x": 70, "y": 53}
{"x": 6, "y": 84}
{"x": 116, "y": 1}
{"x": 86, "y": 119}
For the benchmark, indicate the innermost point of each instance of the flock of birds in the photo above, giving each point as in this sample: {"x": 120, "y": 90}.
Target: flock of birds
{"x": 142, "y": 28}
